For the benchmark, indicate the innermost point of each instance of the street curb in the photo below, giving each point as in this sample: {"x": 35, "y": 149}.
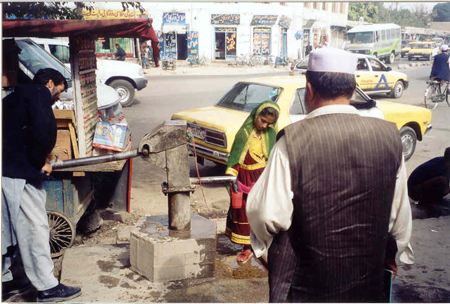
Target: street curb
{"x": 406, "y": 66}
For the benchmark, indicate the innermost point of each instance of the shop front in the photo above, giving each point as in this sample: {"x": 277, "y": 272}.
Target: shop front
{"x": 225, "y": 34}
{"x": 262, "y": 34}
{"x": 175, "y": 31}
{"x": 285, "y": 24}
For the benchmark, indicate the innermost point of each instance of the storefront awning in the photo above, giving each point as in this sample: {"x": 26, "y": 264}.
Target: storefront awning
{"x": 309, "y": 23}
{"x": 112, "y": 28}
{"x": 179, "y": 28}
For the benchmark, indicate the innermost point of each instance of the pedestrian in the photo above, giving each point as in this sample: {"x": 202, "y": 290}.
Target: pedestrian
{"x": 248, "y": 157}
{"x": 308, "y": 49}
{"x": 333, "y": 191}
{"x": 29, "y": 135}
{"x": 145, "y": 54}
{"x": 429, "y": 182}
{"x": 120, "y": 54}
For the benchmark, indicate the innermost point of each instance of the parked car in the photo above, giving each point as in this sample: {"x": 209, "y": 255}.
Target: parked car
{"x": 372, "y": 76}
{"x": 422, "y": 49}
{"x": 124, "y": 77}
{"x": 215, "y": 127}
{"x": 32, "y": 58}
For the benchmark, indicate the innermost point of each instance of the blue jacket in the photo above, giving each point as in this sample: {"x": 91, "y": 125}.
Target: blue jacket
{"x": 29, "y": 131}
{"x": 440, "y": 67}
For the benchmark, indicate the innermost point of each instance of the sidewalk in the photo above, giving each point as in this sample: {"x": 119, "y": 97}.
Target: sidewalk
{"x": 214, "y": 69}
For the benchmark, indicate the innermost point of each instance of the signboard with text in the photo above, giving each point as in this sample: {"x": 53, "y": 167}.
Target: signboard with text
{"x": 192, "y": 45}
{"x": 264, "y": 19}
{"x": 225, "y": 19}
{"x": 111, "y": 14}
{"x": 174, "y": 18}
{"x": 285, "y": 22}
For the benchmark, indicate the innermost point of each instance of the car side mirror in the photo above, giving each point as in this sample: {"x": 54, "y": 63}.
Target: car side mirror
{"x": 388, "y": 69}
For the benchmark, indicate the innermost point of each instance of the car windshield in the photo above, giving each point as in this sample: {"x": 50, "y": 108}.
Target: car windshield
{"x": 246, "y": 96}
{"x": 362, "y": 37}
{"x": 421, "y": 46}
{"x": 34, "y": 58}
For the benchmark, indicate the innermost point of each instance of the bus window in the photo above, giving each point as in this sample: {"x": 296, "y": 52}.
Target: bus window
{"x": 393, "y": 34}
{"x": 383, "y": 35}
{"x": 388, "y": 34}
{"x": 378, "y": 36}
{"x": 399, "y": 33}
{"x": 362, "y": 37}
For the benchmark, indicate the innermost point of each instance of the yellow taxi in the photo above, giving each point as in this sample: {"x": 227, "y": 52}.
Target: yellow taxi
{"x": 405, "y": 48}
{"x": 422, "y": 49}
{"x": 372, "y": 76}
{"x": 214, "y": 128}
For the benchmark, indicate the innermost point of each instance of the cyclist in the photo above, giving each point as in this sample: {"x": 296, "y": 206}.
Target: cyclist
{"x": 441, "y": 67}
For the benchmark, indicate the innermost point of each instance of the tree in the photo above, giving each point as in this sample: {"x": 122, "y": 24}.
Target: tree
{"x": 53, "y": 10}
{"x": 441, "y": 12}
{"x": 367, "y": 10}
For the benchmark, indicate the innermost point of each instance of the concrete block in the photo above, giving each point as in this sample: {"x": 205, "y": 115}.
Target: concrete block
{"x": 123, "y": 234}
{"x": 160, "y": 257}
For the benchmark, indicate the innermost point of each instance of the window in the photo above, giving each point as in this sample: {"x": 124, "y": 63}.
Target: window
{"x": 362, "y": 65}
{"x": 388, "y": 34}
{"x": 298, "y": 103}
{"x": 335, "y": 8}
{"x": 316, "y": 5}
{"x": 342, "y": 8}
{"x": 393, "y": 34}
{"x": 246, "y": 96}
{"x": 383, "y": 35}
{"x": 61, "y": 52}
{"x": 324, "y": 6}
{"x": 399, "y": 33}
{"x": 376, "y": 65}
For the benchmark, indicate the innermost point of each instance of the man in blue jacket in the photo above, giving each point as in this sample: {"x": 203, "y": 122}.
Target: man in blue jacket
{"x": 441, "y": 67}
{"x": 29, "y": 135}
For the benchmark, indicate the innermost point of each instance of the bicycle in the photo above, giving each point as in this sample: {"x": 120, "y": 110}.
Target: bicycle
{"x": 434, "y": 94}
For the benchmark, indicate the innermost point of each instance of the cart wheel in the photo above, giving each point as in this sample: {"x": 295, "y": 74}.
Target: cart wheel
{"x": 62, "y": 232}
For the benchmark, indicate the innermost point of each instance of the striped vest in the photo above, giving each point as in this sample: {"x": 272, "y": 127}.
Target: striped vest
{"x": 343, "y": 169}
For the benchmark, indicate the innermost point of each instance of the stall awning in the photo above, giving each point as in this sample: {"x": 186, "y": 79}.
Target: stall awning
{"x": 179, "y": 28}
{"x": 116, "y": 28}
{"x": 113, "y": 28}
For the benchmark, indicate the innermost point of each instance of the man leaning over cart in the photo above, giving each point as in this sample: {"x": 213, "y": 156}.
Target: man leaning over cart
{"x": 29, "y": 135}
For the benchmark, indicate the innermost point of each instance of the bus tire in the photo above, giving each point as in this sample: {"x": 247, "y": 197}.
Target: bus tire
{"x": 391, "y": 58}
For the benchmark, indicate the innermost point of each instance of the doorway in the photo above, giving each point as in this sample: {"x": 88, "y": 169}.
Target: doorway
{"x": 220, "y": 46}
{"x": 181, "y": 46}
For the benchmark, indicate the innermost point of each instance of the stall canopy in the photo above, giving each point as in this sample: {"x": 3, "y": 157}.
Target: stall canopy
{"x": 117, "y": 28}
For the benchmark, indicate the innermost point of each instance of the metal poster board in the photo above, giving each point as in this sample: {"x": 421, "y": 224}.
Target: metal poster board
{"x": 174, "y": 18}
{"x": 226, "y": 19}
{"x": 192, "y": 45}
{"x": 160, "y": 36}
{"x": 285, "y": 22}
{"x": 264, "y": 20}
{"x": 170, "y": 45}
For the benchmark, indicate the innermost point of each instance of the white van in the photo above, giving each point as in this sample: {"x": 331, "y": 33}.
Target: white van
{"x": 124, "y": 77}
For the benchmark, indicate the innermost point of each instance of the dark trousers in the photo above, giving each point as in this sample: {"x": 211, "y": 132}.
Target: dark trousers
{"x": 430, "y": 191}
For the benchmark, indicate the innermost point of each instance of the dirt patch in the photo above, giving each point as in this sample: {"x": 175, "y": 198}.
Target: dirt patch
{"x": 128, "y": 286}
{"x": 108, "y": 281}
{"x": 105, "y": 266}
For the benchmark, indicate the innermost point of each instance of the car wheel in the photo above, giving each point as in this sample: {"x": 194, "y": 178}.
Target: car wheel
{"x": 409, "y": 140}
{"x": 391, "y": 58}
{"x": 125, "y": 90}
{"x": 397, "y": 91}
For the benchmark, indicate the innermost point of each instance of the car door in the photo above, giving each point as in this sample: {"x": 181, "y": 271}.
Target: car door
{"x": 380, "y": 81}
{"x": 363, "y": 75}
{"x": 297, "y": 109}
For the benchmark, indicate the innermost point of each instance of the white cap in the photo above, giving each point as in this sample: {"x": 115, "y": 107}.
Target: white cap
{"x": 444, "y": 48}
{"x": 332, "y": 60}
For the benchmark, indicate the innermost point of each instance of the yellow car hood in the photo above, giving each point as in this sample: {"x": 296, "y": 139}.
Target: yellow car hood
{"x": 217, "y": 118}
{"x": 401, "y": 113}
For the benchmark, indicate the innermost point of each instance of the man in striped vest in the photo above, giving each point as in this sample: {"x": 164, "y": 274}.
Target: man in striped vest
{"x": 332, "y": 195}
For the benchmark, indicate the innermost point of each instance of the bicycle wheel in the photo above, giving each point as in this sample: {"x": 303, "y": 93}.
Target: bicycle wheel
{"x": 430, "y": 92}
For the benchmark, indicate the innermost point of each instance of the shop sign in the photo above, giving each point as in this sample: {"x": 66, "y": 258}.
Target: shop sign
{"x": 225, "y": 29}
{"x": 262, "y": 29}
{"x": 264, "y": 19}
{"x": 111, "y": 14}
{"x": 174, "y": 18}
{"x": 285, "y": 22}
{"x": 225, "y": 19}
{"x": 192, "y": 45}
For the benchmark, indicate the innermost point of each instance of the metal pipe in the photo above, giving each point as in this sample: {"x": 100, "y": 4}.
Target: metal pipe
{"x": 179, "y": 211}
{"x": 212, "y": 180}
{"x": 86, "y": 161}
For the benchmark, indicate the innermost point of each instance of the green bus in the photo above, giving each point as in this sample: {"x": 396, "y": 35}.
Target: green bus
{"x": 379, "y": 40}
